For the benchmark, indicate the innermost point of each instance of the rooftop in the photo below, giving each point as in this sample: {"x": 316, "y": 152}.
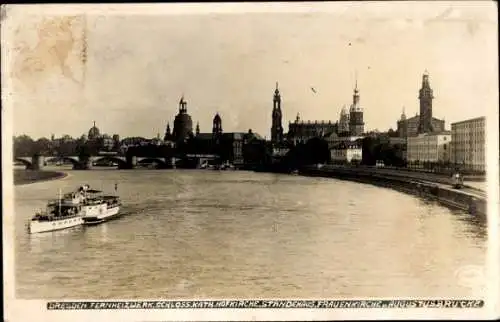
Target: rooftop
{"x": 481, "y": 118}
{"x": 204, "y": 136}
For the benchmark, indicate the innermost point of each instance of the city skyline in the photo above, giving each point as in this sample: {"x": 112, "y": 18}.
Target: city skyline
{"x": 137, "y": 68}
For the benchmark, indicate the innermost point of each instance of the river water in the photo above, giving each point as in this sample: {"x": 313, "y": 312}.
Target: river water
{"x": 236, "y": 234}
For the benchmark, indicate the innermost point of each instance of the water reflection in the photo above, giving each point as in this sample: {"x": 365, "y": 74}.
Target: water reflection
{"x": 39, "y": 243}
{"x": 214, "y": 234}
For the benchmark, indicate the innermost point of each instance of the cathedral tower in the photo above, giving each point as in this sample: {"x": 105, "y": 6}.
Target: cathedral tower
{"x": 168, "y": 135}
{"x": 356, "y": 123}
{"x": 276, "y": 128}
{"x": 344, "y": 121}
{"x": 425, "y": 96}
{"x": 217, "y": 125}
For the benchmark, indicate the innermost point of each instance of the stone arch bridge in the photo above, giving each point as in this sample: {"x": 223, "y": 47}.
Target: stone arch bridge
{"x": 37, "y": 162}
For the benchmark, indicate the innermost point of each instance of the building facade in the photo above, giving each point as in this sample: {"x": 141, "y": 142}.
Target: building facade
{"x": 429, "y": 147}
{"x": 409, "y": 126}
{"x": 231, "y": 147}
{"x": 206, "y": 143}
{"x": 346, "y": 152}
{"x": 334, "y": 139}
{"x": 469, "y": 144}
{"x": 300, "y": 131}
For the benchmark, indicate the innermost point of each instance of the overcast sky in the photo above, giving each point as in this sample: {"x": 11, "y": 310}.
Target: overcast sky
{"x": 228, "y": 58}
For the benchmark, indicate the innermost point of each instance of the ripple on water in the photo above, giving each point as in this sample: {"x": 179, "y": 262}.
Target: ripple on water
{"x": 242, "y": 234}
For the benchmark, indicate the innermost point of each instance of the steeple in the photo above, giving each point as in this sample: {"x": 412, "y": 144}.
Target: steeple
{"x": 182, "y": 105}
{"x": 425, "y": 80}
{"x": 277, "y": 98}
{"x": 167, "y": 133}
{"x": 356, "y": 83}
{"x": 276, "y": 128}
{"x": 425, "y": 95}
{"x": 197, "y": 128}
{"x": 355, "y": 97}
{"x": 217, "y": 125}
{"x": 297, "y": 119}
{"x": 356, "y": 123}
{"x": 403, "y": 115}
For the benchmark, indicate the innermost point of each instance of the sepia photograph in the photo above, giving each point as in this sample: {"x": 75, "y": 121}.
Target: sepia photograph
{"x": 250, "y": 161}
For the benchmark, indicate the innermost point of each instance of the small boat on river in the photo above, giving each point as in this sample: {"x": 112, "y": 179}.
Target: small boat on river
{"x": 59, "y": 214}
{"x": 82, "y": 207}
{"x": 99, "y": 208}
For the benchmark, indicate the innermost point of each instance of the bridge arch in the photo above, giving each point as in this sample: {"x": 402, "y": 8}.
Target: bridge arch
{"x": 112, "y": 159}
{"x": 23, "y": 161}
{"x": 151, "y": 160}
{"x": 70, "y": 159}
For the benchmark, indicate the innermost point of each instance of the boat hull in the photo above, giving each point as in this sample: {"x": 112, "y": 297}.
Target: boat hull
{"x": 36, "y": 227}
{"x": 109, "y": 214}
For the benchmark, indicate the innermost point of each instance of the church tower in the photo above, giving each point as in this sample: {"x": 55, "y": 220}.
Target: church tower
{"x": 425, "y": 96}
{"x": 168, "y": 135}
{"x": 217, "y": 126}
{"x": 197, "y": 128}
{"x": 276, "y": 129}
{"x": 356, "y": 123}
{"x": 343, "y": 121}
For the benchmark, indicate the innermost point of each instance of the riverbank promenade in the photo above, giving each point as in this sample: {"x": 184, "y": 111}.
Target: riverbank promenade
{"x": 22, "y": 176}
{"x": 430, "y": 185}
{"x": 470, "y": 182}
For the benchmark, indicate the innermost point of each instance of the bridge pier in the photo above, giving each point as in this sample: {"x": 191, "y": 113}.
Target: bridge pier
{"x": 37, "y": 162}
{"x": 172, "y": 162}
{"x": 85, "y": 164}
{"x": 131, "y": 162}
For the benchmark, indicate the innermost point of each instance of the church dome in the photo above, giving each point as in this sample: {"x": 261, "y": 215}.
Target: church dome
{"x": 217, "y": 118}
{"x": 183, "y": 124}
{"x": 94, "y": 132}
{"x": 344, "y": 110}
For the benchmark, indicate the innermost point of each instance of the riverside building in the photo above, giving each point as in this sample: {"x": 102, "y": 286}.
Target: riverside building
{"x": 429, "y": 147}
{"x": 468, "y": 144}
{"x": 346, "y": 152}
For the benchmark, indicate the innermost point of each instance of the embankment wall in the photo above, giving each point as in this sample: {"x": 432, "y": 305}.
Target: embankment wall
{"x": 447, "y": 196}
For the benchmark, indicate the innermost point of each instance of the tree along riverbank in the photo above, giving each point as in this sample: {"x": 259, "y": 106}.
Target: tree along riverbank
{"x": 22, "y": 176}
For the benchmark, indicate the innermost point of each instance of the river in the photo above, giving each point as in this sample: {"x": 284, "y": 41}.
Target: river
{"x": 236, "y": 234}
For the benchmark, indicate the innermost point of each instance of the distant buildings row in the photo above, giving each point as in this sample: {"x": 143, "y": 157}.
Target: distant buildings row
{"x": 422, "y": 138}
{"x": 350, "y": 123}
{"x": 464, "y": 145}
